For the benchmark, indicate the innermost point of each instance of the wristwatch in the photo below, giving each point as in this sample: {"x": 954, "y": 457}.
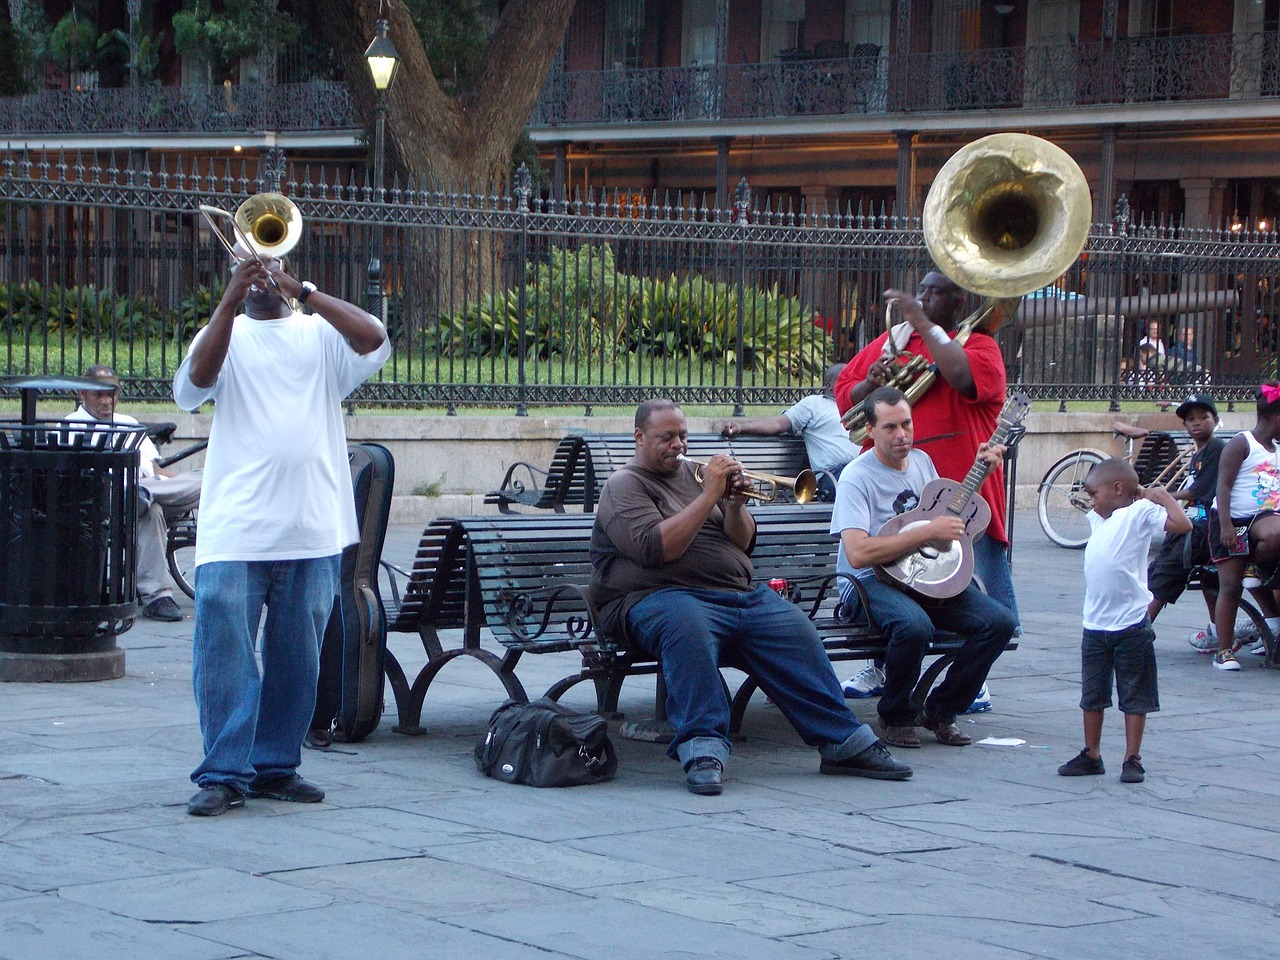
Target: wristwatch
{"x": 308, "y": 288}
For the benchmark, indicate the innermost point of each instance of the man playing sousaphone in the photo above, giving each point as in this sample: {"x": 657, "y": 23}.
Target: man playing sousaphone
{"x": 953, "y": 419}
{"x": 875, "y": 488}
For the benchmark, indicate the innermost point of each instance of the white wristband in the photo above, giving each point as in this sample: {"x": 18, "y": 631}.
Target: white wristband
{"x": 939, "y": 335}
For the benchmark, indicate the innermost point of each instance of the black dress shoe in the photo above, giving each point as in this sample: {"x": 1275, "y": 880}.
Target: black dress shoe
{"x": 875, "y": 762}
{"x": 214, "y": 800}
{"x": 162, "y": 608}
{"x": 292, "y": 788}
{"x": 704, "y": 777}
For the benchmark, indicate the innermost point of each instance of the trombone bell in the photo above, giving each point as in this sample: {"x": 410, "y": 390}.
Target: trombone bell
{"x": 272, "y": 221}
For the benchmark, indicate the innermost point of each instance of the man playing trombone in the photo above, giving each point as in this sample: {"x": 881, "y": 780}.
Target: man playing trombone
{"x": 275, "y": 515}
{"x": 672, "y": 576}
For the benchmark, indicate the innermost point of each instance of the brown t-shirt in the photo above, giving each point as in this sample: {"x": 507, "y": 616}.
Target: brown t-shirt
{"x": 626, "y": 545}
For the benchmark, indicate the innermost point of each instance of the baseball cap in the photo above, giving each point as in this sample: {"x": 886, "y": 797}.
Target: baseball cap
{"x": 104, "y": 375}
{"x": 1196, "y": 400}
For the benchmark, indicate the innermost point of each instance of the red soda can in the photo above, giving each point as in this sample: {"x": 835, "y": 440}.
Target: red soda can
{"x": 779, "y": 586}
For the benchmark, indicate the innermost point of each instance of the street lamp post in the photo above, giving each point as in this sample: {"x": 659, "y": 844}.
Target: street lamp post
{"x": 384, "y": 61}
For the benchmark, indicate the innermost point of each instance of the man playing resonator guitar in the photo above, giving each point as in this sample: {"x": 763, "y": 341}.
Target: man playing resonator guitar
{"x": 881, "y": 484}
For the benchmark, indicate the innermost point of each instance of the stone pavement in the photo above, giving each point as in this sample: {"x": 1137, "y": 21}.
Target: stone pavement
{"x": 985, "y": 853}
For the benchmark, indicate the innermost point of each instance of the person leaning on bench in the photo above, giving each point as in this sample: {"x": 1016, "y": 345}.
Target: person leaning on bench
{"x": 672, "y": 575}
{"x": 885, "y": 482}
{"x": 816, "y": 418}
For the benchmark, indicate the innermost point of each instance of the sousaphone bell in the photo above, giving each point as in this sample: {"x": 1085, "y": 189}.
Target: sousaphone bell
{"x": 1007, "y": 214}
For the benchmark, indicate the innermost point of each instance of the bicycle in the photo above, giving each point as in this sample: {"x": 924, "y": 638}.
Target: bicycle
{"x": 1061, "y": 503}
{"x": 180, "y": 550}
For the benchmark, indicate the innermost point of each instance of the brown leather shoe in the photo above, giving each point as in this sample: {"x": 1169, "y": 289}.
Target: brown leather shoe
{"x": 900, "y": 737}
{"x": 947, "y": 733}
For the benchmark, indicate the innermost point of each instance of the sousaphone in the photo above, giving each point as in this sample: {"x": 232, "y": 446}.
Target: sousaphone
{"x": 1007, "y": 214}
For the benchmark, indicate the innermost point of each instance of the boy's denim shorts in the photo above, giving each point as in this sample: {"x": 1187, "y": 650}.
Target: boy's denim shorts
{"x": 1129, "y": 655}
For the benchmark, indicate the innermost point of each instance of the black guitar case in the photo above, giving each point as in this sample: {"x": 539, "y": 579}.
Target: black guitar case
{"x": 350, "y": 692}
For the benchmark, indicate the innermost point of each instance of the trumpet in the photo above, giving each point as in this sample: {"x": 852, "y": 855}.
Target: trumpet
{"x": 764, "y": 486}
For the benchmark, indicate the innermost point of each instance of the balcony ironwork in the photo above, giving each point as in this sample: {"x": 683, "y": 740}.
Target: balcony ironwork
{"x": 1134, "y": 70}
{"x": 244, "y": 108}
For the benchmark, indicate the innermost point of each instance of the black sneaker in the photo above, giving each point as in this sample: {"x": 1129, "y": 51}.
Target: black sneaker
{"x": 292, "y": 788}
{"x": 1082, "y": 765}
{"x": 704, "y": 777}
{"x": 875, "y": 762}
{"x": 1132, "y": 771}
{"x": 214, "y": 800}
{"x": 162, "y": 608}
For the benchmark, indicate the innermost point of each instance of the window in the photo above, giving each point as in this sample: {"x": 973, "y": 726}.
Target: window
{"x": 624, "y": 33}
{"x": 781, "y": 27}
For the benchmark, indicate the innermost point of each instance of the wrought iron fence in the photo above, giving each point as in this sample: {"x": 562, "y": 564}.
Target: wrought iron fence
{"x": 510, "y": 300}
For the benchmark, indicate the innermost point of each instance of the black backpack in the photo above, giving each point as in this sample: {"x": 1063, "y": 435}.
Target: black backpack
{"x": 546, "y": 745}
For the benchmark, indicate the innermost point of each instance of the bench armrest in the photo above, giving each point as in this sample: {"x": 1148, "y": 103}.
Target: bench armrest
{"x": 513, "y": 489}
{"x": 394, "y": 582}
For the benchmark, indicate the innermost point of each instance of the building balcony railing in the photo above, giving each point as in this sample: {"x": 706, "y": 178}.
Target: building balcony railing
{"x": 250, "y": 107}
{"x": 1144, "y": 70}
{"x": 1127, "y": 71}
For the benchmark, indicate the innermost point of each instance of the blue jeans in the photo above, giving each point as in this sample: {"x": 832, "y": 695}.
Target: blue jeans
{"x": 991, "y": 564}
{"x": 694, "y": 631}
{"x": 253, "y": 725}
{"x": 985, "y": 624}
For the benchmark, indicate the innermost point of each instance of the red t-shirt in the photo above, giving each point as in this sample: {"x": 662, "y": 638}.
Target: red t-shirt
{"x": 942, "y": 410}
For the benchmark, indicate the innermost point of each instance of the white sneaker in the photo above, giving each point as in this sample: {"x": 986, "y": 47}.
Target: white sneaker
{"x": 1259, "y": 649}
{"x": 982, "y": 702}
{"x": 1203, "y": 641}
{"x": 869, "y": 682}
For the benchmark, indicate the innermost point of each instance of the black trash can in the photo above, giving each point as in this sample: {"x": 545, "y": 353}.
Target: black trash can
{"x": 68, "y": 527}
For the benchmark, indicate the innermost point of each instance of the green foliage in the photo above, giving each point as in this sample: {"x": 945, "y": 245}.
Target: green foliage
{"x": 577, "y": 305}
{"x": 222, "y": 38}
{"x": 17, "y": 63}
{"x": 34, "y": 309}
{"x": 74, "y": 43}
{"x": 454, "y": 35}
{"x": 144, "y": 58}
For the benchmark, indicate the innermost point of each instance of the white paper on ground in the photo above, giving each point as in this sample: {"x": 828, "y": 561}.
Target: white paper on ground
{"x": 1001, "y": 742}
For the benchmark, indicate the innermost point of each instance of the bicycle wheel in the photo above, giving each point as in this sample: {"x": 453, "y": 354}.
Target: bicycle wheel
{"x": 181, "y": 554}
{"x": 1061, "y": 503}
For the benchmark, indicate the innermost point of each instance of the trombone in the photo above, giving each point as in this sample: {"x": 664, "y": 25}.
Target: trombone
{"x": 267, "y": 224}
{"x": 764, "y": 486}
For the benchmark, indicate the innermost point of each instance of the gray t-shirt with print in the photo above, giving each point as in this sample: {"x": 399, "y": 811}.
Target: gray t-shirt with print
{"x": 870, "y": 493}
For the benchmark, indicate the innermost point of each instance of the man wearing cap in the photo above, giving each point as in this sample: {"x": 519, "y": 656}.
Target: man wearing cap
{"x": 1169, "y": 569}
{"x": 166, "y": 496}
{"x": 276, "y": 513}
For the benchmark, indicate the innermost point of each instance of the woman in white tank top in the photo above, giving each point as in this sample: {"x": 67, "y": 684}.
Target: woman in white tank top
{"x": 1244, "y": 525}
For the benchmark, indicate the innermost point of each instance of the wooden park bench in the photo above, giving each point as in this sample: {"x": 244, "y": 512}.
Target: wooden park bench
{"x": 583, "y": 462}
{"x": 524, "y": 578}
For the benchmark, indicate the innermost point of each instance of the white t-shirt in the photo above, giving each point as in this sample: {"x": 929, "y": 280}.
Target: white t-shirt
{"x": 276, "y": 481}
{"x": 148, "y": 454}
{"x": 1115, "y": 565}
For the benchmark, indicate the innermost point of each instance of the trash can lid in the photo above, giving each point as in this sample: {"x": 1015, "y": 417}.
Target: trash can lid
{"x": 52, "y": 382}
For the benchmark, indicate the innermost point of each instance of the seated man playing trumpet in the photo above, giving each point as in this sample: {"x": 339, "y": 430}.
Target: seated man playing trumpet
{"x": 672, "y": 575}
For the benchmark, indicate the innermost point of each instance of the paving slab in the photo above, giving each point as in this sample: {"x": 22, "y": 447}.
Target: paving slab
{"x": 50, "y": 928}
{"x": 985, "y": 853}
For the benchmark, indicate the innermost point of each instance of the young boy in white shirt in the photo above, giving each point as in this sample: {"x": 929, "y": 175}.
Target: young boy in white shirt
{"x": 1118, "y": 639}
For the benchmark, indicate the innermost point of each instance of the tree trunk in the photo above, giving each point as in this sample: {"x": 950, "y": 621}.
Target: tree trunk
{"x": 435, "y": 140}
